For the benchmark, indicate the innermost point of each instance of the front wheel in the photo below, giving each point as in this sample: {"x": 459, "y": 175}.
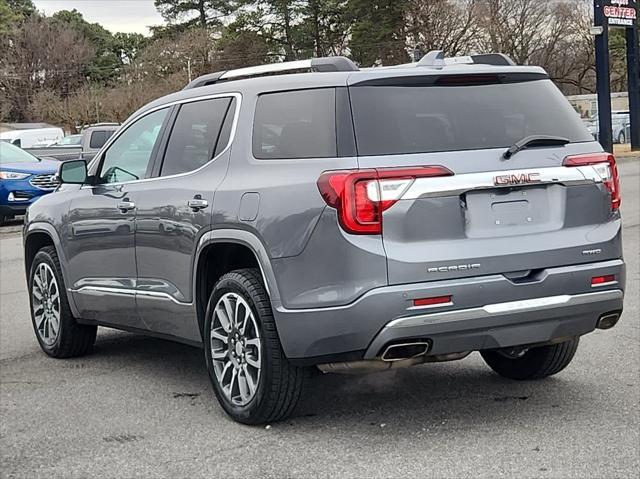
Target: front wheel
{"x": 252, "y": 379}
{"x": 534, "y": 363}
{"x": 57, "y": 331}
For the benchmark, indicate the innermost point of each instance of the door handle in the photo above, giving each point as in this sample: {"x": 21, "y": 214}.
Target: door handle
{"x": 197, "y": 204}
{"x": 125, "y": 206}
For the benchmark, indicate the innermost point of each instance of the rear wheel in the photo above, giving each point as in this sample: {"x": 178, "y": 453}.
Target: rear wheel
{"x": 57, "y": 331}
{"x": 534, "y": 363}
{"x": 251, "y": 377}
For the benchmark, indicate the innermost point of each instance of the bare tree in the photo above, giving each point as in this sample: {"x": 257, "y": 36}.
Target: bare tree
{"x": 518, "y": 28}
{"x": 448, "y": 25}
{"x": 41, "y": 54}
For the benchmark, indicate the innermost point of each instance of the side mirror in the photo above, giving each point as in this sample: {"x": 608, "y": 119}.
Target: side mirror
{"x": 73, "y": 172}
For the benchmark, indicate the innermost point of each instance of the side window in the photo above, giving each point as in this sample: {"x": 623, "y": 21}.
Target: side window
{"x": 128, "y": 158}
{"x": 195, "y": 134}
{"x": 225, "y": 132}
{"x": 99, "y": 138}
{"x": 295, "y": 124}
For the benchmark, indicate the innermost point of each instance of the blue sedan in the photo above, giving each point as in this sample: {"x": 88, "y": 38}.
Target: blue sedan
{"x": 23, "y": 179}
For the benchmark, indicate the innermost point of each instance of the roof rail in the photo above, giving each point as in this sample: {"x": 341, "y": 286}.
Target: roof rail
{"x": 436, "y": 59}
{"x": 324, "y": 64}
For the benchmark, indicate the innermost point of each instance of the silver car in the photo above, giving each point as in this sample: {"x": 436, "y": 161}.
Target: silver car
{"x": 348, "y": 219}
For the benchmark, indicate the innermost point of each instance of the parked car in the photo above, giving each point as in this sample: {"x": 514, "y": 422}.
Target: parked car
{"x": 619, "y": 119}
{"x": 353, "y": 220}
{"x": 91, "y": 140}
{"x": 31, "y": 137}
{"x": 23, "y": 179}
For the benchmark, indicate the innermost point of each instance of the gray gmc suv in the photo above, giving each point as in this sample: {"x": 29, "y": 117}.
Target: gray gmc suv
{"x": 349, "y": 219}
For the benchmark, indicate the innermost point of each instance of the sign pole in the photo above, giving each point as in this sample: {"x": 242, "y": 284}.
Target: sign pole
{"x": 603, "y": 87}
{"x": 633, "y": 66}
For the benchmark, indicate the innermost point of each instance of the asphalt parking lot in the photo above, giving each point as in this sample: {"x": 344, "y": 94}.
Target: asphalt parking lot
{"x": 141, "y": 407}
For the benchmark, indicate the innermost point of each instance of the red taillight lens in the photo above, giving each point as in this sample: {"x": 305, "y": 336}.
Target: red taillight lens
{"x": 608, "y": 171}
{"x": 360, "y": 196}
{"x": 432, "y": 301}
{"x": 607, "y": 278}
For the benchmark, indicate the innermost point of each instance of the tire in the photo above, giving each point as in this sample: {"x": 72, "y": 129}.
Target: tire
{"x": 61, "y": 337}
{"x": 536, "y": 363}
{"x": 3, "y": 219}
{"x": 272, "y": 391}
{"x": 622, "y": 138}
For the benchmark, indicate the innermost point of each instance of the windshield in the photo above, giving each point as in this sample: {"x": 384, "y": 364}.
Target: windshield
{"x": 12, "y": 154}
{"x": 413, "y": 118}
{"x": 71, "y": 140}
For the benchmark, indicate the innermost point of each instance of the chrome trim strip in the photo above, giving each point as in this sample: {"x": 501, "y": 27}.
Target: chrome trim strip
{"x": 458, "y": 184}
{"x": 430, "y": 306}
{"x": 610, "y": 283}
{"x": 499, "y": 309}
{"x": 104, "y": 290}
{"x": 131, "y": 121}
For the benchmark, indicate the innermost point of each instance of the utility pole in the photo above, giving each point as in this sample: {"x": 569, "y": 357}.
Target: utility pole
{"x": 189, "y": 68}
{"x": 603, "y": 86}
{"x": 633, "y": 71}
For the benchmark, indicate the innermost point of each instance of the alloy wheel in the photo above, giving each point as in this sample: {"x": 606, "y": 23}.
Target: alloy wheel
{"x": 45, "y": 298}
{"x": 235, "y": 349}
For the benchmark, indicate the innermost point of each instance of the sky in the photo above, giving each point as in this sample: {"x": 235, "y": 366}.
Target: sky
{"x": 129, "y": 16}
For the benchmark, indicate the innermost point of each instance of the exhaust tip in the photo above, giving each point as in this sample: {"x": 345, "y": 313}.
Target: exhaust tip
{"x": 398, "y": 352}
{"x": 608, "y": 320}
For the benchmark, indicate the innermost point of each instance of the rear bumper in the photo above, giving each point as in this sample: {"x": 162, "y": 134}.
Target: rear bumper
{"x": 487, "y": 312}
{"x": 501, "y": 325}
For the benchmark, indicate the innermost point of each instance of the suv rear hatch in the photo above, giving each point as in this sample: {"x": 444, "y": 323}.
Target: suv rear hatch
{"x": 474, "y": 212}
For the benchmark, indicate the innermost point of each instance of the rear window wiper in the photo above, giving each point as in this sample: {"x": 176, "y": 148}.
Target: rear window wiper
{"x": 534, "y": 140}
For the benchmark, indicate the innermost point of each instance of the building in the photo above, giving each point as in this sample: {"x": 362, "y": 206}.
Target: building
{"x": 587, "y": 105}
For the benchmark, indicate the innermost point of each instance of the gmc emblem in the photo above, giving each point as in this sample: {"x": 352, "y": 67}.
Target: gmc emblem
{"x": 521, "y": 179}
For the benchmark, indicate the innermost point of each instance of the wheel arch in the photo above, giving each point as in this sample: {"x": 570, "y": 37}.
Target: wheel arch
{"x": 37, "y": 236}
{"x": 238, "y": 249}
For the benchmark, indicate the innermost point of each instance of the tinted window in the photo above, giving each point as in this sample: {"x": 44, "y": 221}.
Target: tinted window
{"x": 418, "y": 119}
{"x": 296, "y": 124}
{"x": 99, "y": 138}
{"x": 225, "y": 132}
{"x": 194, "y": 135}
{"x": 128, "y": 157}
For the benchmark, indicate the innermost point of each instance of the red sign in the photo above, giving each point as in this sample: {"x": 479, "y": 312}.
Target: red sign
{"x": 621, "y": 13}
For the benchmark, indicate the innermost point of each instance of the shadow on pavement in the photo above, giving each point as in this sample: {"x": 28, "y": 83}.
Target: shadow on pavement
{"x": 459, "y": 395}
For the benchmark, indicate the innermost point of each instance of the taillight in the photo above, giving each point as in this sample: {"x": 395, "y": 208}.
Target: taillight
{"x": 360, "y": 196}
{"x": 605, "y": 165}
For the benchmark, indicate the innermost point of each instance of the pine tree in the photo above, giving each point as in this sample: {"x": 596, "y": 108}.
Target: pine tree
{"x": 378, "y": 31}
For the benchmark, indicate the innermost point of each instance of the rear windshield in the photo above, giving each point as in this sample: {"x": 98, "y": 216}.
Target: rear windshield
{"x": 397, "y": 119}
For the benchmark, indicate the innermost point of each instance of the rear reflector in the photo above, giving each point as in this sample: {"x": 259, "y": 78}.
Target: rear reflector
{"x": 605, "y": 165}
{"x": 361, "y": 196}
{"x": 607, "y": 278}
{"x": 432, "y": 301}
